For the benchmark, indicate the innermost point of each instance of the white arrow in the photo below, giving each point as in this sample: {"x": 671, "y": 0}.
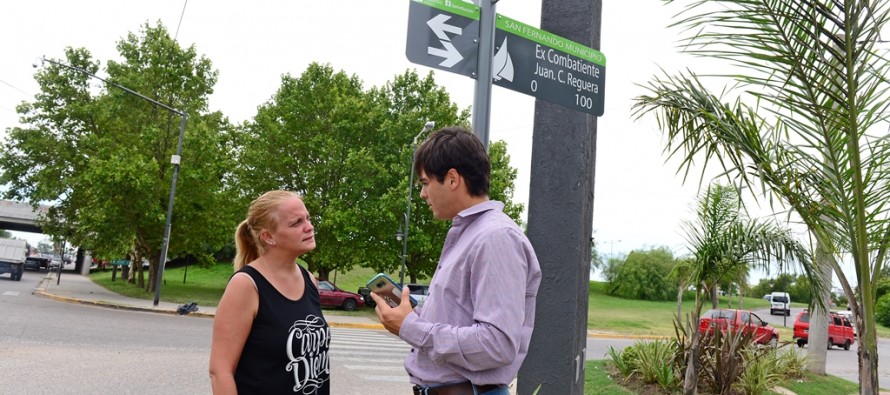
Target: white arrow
{"x": 439, "y": 27}
{"x": 451, "y": 54}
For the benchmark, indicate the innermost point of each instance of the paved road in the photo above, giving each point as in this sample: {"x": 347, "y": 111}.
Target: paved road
{"x": 52, "y": 347}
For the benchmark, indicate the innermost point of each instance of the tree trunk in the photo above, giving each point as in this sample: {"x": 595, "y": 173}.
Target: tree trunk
{"x": 818, "y": 333}
{"x": 714, "y": 299}
{"x": 680, "y": 304}
{"x": 868, "y": 344}
{"x": 690, "y": 381}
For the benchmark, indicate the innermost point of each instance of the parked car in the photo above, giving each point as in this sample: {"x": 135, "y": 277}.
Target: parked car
{"x": 419, "y": 292}
{"x": 332, "y": 296}
{"x": 840, "y": 330}
{"x": 736, "y": 320}
{"x": 36, "y": 262}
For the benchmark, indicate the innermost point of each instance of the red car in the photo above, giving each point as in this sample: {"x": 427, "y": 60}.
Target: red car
{"x": 332, "y": 296}
{"x": 739, "y": 320}
{"x": 840, "y": 330}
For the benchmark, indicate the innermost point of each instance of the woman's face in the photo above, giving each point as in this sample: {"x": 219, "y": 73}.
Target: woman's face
{"x": 294, "y": 231}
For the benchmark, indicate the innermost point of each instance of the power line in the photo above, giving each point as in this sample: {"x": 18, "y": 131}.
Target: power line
{"x": 15, "y": 87}
{"x": 181, "y": 16}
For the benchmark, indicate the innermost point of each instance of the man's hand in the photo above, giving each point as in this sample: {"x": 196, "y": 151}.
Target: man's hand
{"x": 392, "y": 317}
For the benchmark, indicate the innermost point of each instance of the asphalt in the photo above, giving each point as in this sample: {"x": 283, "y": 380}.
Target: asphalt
{"x": 76, "y": 288}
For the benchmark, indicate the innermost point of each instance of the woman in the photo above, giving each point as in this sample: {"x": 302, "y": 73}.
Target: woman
{"x": 269, "y": 335}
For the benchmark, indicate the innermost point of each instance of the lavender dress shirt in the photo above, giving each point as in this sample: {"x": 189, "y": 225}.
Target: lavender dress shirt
{"x": 477, "y": 321}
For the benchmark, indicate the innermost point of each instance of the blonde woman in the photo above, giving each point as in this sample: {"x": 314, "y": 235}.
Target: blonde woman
{"x": 269, "y": 334}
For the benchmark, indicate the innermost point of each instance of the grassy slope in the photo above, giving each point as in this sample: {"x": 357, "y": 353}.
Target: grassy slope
{"x": 605, "y": 313}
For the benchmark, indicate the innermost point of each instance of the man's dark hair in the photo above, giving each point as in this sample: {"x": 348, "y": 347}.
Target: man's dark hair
{"x": 455, "y": 148}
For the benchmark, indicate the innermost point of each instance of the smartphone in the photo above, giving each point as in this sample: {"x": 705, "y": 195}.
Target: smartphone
{"x": 389, "y": 290}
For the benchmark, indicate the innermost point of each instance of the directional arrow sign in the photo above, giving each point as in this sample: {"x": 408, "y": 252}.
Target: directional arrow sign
{"x": 442, "y": 34}
{"x": 549, "y": 67}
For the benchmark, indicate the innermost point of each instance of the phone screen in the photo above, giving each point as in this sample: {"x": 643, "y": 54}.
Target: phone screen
{"x": 388, "y": 289}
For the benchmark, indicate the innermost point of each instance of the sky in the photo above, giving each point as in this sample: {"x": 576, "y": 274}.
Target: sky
{"x": 639, "y": 201}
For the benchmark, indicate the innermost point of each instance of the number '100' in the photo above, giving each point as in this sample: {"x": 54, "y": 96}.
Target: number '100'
{"x": 583, "y": 101}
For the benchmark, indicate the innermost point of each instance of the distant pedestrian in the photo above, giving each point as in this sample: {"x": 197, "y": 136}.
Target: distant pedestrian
{"x": 473, "y": 331}
{"x": 269, "y": 334}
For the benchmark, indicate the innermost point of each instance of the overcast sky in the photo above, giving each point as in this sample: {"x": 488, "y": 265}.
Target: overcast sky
{"x": 638, "y": 202}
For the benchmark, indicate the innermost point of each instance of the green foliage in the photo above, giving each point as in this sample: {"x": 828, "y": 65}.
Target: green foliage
{"x": 623, "y": 360}
{"x": 882, "y": 287}
{"x": 653, "y": 363}
{"x": 882, "y": 310}
{"x": 723, "y": 356}
{"x": 761, "y": 374}
{"x": 348, "y": 151}
{"x": 804, "y": 89}
{"x": 643, "y": 275}
{"x": 104, "y": 157}
{"x": 791, "y": 362}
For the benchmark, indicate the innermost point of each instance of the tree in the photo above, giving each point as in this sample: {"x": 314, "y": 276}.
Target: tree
{"x": 725, "y": 244}
{"x": 348, "y": 151}
{"x": 104, "y": 157}
{"x": 818, "y": 83}
{"x": 644, "y": 275}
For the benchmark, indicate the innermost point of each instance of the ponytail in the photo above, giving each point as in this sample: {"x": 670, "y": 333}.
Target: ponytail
{"x": 246, "y": 250}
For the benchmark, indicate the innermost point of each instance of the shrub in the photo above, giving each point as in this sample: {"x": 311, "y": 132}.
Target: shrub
{"x": 654, "y": 363}
{"x": 643, "y": 275}
{"x": 792, "y": 364}
{"x": 761, "y": 373}
{"x": 723, "y": 358}
{"x": 882, "y": 310}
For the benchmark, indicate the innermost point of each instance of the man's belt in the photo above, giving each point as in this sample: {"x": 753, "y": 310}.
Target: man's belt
{"x": 463, "y": 388}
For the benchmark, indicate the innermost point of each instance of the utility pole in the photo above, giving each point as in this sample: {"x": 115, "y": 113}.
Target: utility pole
{"x": 560, "y": 219}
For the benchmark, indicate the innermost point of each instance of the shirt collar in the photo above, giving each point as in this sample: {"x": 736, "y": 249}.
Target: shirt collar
{"x": 478, "y": 209}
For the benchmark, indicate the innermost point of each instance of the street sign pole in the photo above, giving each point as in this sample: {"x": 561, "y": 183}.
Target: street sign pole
{"x": 482, "y": 98}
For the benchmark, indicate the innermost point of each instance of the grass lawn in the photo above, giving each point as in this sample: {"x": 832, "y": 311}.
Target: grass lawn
{"x": 605, "y": 313}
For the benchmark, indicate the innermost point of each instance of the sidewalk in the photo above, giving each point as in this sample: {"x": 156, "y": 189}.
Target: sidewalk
{"x": 75, "y": 288}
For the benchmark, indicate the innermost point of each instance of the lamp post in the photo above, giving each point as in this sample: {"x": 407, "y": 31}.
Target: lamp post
{"x": 611, "y": 245}
{"x": 400, "y": 236}
{"x": 426, "y": 128}
{"x": 175, "y": 159}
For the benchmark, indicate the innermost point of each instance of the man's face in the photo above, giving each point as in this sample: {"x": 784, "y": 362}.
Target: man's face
{"x": 437, "y": 196}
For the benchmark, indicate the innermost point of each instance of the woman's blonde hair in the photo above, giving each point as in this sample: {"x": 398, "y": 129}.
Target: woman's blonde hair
{"x": 262, "y": 214}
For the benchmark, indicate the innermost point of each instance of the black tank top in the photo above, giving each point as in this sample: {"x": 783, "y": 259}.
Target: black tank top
{"x": 287, "y": 349}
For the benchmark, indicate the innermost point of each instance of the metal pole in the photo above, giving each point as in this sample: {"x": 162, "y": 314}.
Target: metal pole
{"x": 482, "y": 98}
{"x": 426, "y": 128}
{"x": 175, "y": 161}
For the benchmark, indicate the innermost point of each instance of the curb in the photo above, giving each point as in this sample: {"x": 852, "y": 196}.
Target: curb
{"x": 41, "y": 291}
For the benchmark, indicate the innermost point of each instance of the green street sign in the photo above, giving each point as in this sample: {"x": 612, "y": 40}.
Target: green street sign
{"x": 548, "y": 67}
{"x": 443, "y": 34}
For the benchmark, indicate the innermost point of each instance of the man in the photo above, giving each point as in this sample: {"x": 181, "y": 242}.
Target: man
{"x": 473, "y": 331}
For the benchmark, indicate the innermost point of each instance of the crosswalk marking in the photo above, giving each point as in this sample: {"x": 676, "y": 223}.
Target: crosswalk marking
{"x": 370, "y": 351}
{"x": 11, "y": 293}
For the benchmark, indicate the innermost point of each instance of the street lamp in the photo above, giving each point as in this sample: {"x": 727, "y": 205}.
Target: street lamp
{"x": 426, "y": 128}
{"x": 175, "y": 159}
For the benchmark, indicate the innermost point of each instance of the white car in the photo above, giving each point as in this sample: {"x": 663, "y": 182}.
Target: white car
{"x": 419, "y": 292}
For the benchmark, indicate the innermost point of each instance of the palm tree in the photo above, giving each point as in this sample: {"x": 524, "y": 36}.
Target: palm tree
{"x": 816, "y": 78}
{"x": 724, "y": 243}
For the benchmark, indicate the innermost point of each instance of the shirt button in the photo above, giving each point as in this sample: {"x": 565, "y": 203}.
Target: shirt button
{"x": 412, "y": 350}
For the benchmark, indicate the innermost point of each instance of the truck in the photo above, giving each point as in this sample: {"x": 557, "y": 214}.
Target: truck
{"x": 12, "y": 257}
